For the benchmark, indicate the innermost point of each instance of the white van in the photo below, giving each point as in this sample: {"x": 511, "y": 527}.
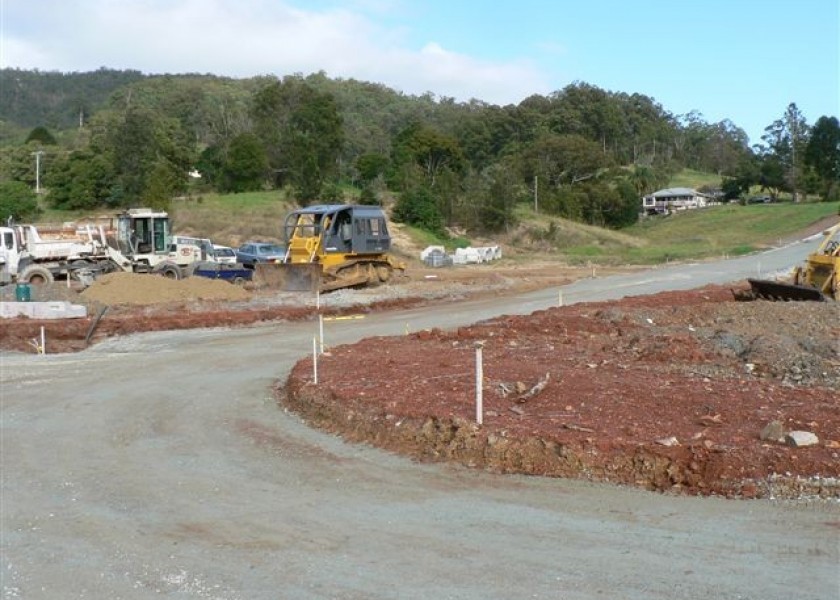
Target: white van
{"x": 223, "y": 255}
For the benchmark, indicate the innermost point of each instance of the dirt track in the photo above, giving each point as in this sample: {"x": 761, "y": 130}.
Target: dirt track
{"x": 711, "y": 370}
{"x": 158, "y": 464}
{"x": 138, "y": 303}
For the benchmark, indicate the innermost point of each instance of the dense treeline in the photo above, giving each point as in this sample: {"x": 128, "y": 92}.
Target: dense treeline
{"x": 119, "y": 138}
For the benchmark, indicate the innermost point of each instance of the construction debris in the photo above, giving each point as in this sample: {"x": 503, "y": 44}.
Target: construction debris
{"x": 538, "y": 387}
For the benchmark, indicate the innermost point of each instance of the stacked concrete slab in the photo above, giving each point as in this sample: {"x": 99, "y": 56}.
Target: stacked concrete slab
{"x": 42, "y": 310}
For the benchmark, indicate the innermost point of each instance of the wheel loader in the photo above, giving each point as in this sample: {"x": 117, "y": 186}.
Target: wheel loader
{"x": 818, "y": 279}
{"x": 332, "y": 246}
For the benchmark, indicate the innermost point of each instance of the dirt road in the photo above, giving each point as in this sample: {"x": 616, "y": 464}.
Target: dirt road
{"x": 159, "y": 465}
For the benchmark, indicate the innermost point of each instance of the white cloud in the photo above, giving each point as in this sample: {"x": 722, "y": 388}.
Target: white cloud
{"x": 249, "y": 37}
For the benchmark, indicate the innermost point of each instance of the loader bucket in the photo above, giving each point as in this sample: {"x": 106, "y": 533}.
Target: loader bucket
{"x": 288, "y": 277}
{"x": 786, "y": 292}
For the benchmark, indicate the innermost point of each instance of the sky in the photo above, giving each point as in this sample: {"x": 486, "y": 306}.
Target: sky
{"x": 741, "y": 60}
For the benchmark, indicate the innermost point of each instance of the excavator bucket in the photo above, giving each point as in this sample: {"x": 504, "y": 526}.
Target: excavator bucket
{"x": 288, "y": 277}
{"x": 786, "y": 292}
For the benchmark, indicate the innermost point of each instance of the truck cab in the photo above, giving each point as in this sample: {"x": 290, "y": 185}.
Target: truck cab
{"x": 9, "y": 254}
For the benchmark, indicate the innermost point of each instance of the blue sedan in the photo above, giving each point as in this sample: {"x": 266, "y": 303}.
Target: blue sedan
{"x": 251, "y": 253}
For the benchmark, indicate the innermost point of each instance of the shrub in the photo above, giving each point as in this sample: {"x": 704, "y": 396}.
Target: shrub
{"x": 18, "y": 200}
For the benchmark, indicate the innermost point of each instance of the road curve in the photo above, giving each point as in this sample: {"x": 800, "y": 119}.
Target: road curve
{"x": 158, "y": 465}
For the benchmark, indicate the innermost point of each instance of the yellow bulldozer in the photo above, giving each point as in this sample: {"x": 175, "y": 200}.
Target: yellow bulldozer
{"x": 332, "y": 246}
{"x": 818, "y": 279}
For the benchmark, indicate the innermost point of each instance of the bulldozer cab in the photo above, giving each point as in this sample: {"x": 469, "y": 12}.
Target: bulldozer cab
{"x": 335, "y": 229}
{"x": 330, "y": 246}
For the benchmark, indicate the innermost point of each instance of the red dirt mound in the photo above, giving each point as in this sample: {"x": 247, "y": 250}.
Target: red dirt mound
{"x": 666, "y": 392}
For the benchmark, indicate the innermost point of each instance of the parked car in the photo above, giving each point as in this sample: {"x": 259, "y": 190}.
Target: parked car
{"x": 760, "y": 200}
{"x": 232, "y": 273}
{"x": 224, "y": 255}
{"x": 251, "y": 253}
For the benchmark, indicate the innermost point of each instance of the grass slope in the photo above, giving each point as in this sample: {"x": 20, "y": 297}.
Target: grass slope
{"x": 725, "y": 230}
{"x": 716, "y": 231}
{"x": 694, "y": 179}
{"x": 232, "y": 219}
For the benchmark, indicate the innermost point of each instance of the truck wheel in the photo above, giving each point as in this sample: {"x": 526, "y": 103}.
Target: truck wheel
{"x": 170, "y": 272}
{"x": 36, "y": 275}
{"x": 238, "y": 281}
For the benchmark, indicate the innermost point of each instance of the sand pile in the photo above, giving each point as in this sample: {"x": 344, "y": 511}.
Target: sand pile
{"x": 141, "y": 288}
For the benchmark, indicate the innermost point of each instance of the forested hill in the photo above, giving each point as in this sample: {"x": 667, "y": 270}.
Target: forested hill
{"x": 121, "y": 138}
{"x": 55, "y": 100}
{"x": 627, "y": 126}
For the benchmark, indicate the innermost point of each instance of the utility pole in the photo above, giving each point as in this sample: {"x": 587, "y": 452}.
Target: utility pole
{"x": 793, "y": 170}
{"x": 37, "y": 154}
{"x": 536, "y": 206}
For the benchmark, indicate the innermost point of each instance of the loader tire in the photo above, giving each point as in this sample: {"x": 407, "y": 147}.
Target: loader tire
{"x": 171, "y": 272}
{"x": 36, "y": 275}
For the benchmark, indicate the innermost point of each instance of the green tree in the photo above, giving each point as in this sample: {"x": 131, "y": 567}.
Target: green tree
{"x": 316, "y": 136}
{"x": 81, "y": 180}
{"x": 371, "y": 165}
{"x": 18, "y": 201}
{"x": 733, "y": 188}
{"x": 246, "y": 165}
{"x": 429, "y": 149}
{"x": 586, "y": 110}
{"x": 772, "y": 173}
{"x": 787, "y": 138}
{"x": 486, "y": 132}
{"x": 41, "y": 135}
{"x": 822, "y": 154}
{"x": 211, "y": 164}
{"x": 150, "y": 155}
{"x": 646, "y": 180}
{"x": 725, "y": 146}
{"x": 491, "y": 197}
{"x": 624, "y": 208}
{"x": 419, "y": 207}
{"x": 560, "y": 160}
{"x": 18, "y": 163}
{"x": 302, "y": 131}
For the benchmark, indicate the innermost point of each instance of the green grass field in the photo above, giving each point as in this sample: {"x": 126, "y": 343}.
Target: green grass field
{"x": 694, "y": 179}
{"x": 715, "y": 231}
{"x": 726, "y": 230}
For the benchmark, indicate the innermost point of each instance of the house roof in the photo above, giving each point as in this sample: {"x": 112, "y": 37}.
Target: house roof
{"x": 677, "y": 191}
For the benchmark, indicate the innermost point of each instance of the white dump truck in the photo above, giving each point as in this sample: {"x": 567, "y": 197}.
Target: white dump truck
{"x": 137, "y": 240}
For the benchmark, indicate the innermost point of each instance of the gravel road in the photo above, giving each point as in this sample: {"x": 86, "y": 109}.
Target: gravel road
{"x": 159, "y": 465}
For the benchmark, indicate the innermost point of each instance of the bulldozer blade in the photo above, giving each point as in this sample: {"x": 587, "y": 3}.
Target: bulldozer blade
{"x": 288, "y": 277}
{"x": 777, "y": 290}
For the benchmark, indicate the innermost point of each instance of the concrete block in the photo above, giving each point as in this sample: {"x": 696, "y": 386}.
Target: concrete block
{"x": 42, "y": 310}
